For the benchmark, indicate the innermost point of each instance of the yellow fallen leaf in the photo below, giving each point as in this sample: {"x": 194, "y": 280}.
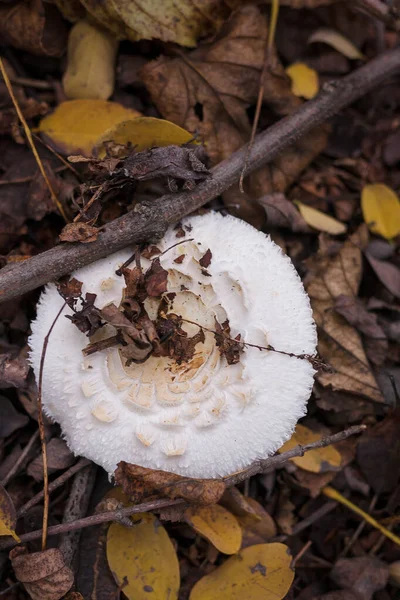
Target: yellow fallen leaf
{"x": 318, "y": 460}
{"x": 338, "y": 41}
{"x": 142, "y": 133}
{"x": 90, "y": 69}
{"x": 260, "y": 572}
{"x": 218, "y": 525}
{"x": 8, "y": 517}
{"x": 304, "y": 80}
{"x": 144, "y": 557}
{"x": 76, "y": 125}
{"x": 381, "y": 210}
{"x": 319, "y": 220}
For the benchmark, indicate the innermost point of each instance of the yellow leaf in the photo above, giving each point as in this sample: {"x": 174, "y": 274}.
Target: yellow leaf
{"x": 260, "y": 572}
{"x": 144, "y": 132}
{"x": 91, "y": 62}
{"x": 218, "y": 525}
{"x": 304, "y": 80}
{"x": 319, "y": 220}
{"x": 381, "y": 210}
{"x": 338, "y": 41}
{"x": 144, "y": 557}
{"x": 8, "y": 516}
{"x": 318, "y": 460}
{"x": 258, "y": 526}
{"x": 76, "y": 125}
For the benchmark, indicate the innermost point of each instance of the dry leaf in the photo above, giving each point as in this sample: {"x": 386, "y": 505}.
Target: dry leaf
{"x": 261, "y": 571}
{"x": 340, "y": 344}
{"x": 381, "y": 210}
{"x": 36, "y": 27}
{"x": 139, "y": 482}
{"x": 76, "y": 125}
{"x": 209, "y": 90}
{"x": 72, "y": 10}
{"x": 10, "y": 419}
{"x": 142, "y": 133}
{"x": 218, "y": 525}
{"x": 317, "y": 460}
{"x": 8, "y": 515}
{"x": 319, "y": 220}
{"x": 257, "y": 525}
{"x": 44, "y": 574}
{"x": 387, "y": 273}
{"x": 175, "y": 21}
{"x": 338, "y": 41}
{"x": 305, "y": 81}
{"x": 280, "y": 212}
{"x": 79, "y": 232}
{"x": 364, "y": 575}
{"x": 90, "y": 69}
{"x": 143, "y": 559}
{"x": 59, "y": 457}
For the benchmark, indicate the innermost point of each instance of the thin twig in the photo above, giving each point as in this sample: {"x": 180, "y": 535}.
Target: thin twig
{"x": 30, "y": 139}
{"x": 383, "y": 11}
{"x": 20, "y": 459}
{"x": 257, "y": 467}
{"x": 42, "y": 433}
{"x": 29, "y": 82}
{"x": 149, "y": 221}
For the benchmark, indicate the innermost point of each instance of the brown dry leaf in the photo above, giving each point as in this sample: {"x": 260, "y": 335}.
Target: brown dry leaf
{"x": 340, "y": 344}
{"x": 209, "y": 90}
{"x": 280, "y": 212}
{"x": 59, "y": 457}
{"x": 90, "y": 69}
{"x": 143, "y": 559}
{"x": 156, "y": 279}
{"x": 8, "y": 515}
{"x": 139, "y": 483}
{"x": 257, "y": 525}
{"x": 44, "y": 574}
{"x": 261, "y": 571}
{"x": 13, "y": 371}
{"x": 79, "y": 232}
{"x": 387, "y": 273}
{"x": 10, "y": 419}
{"x": 363, "y": 575}
{"x": 317, "y": 460}
{"x": 218, "y": 525}
{"x": 36, "y": 27}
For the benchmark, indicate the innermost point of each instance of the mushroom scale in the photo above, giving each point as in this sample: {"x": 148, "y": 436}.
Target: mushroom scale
{"x": 202, "y": 418}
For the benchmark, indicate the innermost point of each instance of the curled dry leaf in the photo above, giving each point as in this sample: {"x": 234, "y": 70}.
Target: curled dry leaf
{"x": 387, "y": 273}
{"x": 90, "y": 69}
{"x": 338, "y": 41}
{"x": 381, "y": 209}
{"x": 317, "y": 460}
{"x": 304, "y": 80}
{"x": 363, "y": 575}
{"x": 261, "y": 571}
{"x": 139, "y": 483}
{"x": 209, "y": 90}
{"x": 76, "y": 125}
{"x": 143, "y": 560}
{"x": 280, "y": 212}
{"x": 79, "y": 232}
{"x": 340, "y": 344}
{"x": 257, "y": 525}
{"x": 44, "y": 574}
{"x": 36, "y": 27}
{"x": 8, "y": 515}
{"x": 218, "y": 525}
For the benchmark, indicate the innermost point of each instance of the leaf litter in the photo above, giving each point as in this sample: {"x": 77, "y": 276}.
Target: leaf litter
{"x": 140, "y": 120}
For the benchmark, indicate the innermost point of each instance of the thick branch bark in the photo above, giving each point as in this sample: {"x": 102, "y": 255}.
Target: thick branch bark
{"x": 149, "y": 221}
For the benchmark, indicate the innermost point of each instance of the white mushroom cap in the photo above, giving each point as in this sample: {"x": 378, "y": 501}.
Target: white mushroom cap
{"x": 203, "y": 418}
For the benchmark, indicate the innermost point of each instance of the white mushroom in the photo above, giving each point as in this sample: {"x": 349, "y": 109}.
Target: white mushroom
{"x": 204, "y": 417}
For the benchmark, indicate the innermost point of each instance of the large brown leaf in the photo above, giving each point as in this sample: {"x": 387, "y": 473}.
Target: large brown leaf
{"x": 340, "y": 343}
{"x": 209, "y": 90}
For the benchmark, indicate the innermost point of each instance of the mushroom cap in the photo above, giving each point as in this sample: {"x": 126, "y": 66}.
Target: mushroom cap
{"x": 202, "y": 418}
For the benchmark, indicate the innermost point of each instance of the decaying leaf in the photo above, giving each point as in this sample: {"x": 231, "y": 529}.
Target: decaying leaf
{"x": 76, "y": 125}
{"x": 209, "y": 90}
{"x": 8, "y": 515}
{"x": 340, "y": 344}
{"x": 144, "y": 132}
{"x": 90, "y": 69}
{"x": 44, "y": 574}
{"x": 317, "y": 460}
{"x": 381, "y": 209}
{"x": 304, "y": 80}
{"x": 59, "y": 456}
{"x": 387, "y": 273}
{"x": 139, "y": 483}
{"x": 10, "y": 419}
{"x": 79, "y": 232}
{"x": 228, "y": 347}
{"x": 218, "y": 525}
{"x": 257, "y": 525}
{"x": 280, "y": 212}
{"x": 363, "y": 575}
{"x": 320, "y": 221}
{"x": 338, "y": 41}
{"x": 143, "y": 560}
{"x": 14, "y": 371}
{"x": 156, "y": 279}
{"x": 260, "y": 571}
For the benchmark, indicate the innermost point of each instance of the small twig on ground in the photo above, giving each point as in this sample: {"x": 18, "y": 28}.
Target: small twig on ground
{"x": 20, "y": 459}
{"x": 383, "y": 11}
{"x": 302, "y": 552}
{"x": 315, "y": 516}
{"x": 257, "y": 467}
{"x": 42, "y": 432}
{"x": 359, "y": 530}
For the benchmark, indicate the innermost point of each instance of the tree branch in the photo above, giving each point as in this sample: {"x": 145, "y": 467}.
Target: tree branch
{"x": 257, "y": 467}
{"x": 148, "y": 221}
